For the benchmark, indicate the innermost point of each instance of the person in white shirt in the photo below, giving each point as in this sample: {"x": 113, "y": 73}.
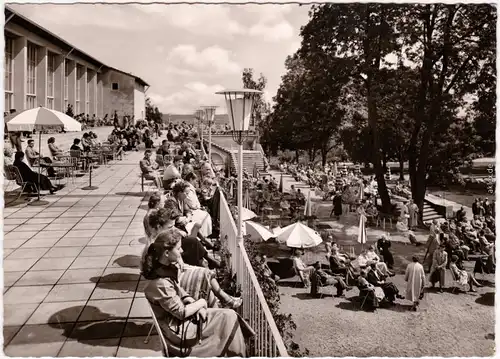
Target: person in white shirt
{"x": 368, "y": 257}
{"x": 172, "y": 172}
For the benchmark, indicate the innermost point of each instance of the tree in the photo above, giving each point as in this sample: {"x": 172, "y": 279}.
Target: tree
{"x": 261, "y": 108}
{"x": 152, "y": 112}
{"x": 453, "y": 45}
{"x": 363, "y": 33}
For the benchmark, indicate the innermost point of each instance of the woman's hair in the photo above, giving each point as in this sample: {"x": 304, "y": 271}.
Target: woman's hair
{"x": 19, "y": 156}
{"x": 7, "y": 152}
{"x": 179, "y": 187}
{"x": 454, "y": 258}
{"x": 154, "y": 200}
{"x": 51, "y": 140}
{"x": 177, "y": 158}
{"x": 164, "y": 242}
{"x": 171, "y": 205}
{"x": 160, "y": 218}
{"x": 190, "y": 176}
{"x": 415, "y": 259}
{"x": 76, "y": 141}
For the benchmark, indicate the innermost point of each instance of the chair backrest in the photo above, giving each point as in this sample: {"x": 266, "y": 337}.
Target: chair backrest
{"x": 75, "y": 153}
{"x": 19, "y": 178}
{"x": 9, "y": 173}
{"x": 158, "y": 329}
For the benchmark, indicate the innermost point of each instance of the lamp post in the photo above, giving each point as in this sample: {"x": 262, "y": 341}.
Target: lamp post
{"x": 239, "y": 109}
{"x": 210, "y": 117}
{"x": 199, "y": 116}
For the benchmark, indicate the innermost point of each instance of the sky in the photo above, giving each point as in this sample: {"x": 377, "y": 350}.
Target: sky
{"x": 185, "y": 52}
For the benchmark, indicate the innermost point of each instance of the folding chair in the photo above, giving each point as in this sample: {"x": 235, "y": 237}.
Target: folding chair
{"x": 455, "y": 281}
{"x": 158, "y": 329}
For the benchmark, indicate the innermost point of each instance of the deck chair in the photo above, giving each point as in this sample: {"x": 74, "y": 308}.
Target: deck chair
{"x": 456, "y": 285}
{"x": 19, "y": 180}
{"x": 158, "y": 329}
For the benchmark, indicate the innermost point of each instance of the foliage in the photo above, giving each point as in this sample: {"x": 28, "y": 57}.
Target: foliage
{"x": 261, "y": 107}
{"x": 152, "y": 112}
{"x": 284, "y": 322}
{"x": 408, "y": 109}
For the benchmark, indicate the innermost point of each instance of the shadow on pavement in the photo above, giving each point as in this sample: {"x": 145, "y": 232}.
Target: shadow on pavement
{"x": 107, "y": 327}
{"x": 132, "y": 194}
{"x": 486, "y": 299}
{"x": 128, "y": 261}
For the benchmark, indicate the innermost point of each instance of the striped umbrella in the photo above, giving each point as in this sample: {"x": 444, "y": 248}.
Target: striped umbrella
{"x": 42, "y": 119}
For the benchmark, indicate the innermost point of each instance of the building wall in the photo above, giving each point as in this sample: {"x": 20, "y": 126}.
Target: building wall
{"x": 91, "y": 86}
{"x": 121, "y": 99}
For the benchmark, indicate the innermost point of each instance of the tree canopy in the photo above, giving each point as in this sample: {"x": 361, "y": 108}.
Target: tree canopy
{"x": 404, "y": 82}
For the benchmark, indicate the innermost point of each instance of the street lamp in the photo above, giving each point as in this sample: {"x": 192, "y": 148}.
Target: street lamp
{"x": 210, "y": 117}
{"x": 199, "y": 116}
{"x": 239, "y": 105}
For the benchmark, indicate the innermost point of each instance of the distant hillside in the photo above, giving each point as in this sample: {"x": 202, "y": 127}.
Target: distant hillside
{"x": 190, "y": 119}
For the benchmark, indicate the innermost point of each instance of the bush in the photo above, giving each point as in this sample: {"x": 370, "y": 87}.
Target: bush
{"x": 284, "y": 322}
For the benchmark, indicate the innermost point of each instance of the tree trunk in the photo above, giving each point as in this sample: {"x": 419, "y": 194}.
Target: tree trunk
{"x": 401, "y": 167}
{"x": 378, "y": 168}
{"x": 324, "y": 154}
{"x": 297, "y": 156}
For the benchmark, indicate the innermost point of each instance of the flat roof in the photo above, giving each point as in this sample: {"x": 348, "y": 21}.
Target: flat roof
{"x": 30, "y": 25}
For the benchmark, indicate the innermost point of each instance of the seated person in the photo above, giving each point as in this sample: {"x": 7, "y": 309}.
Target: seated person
{"x": 461, "y": 215}
{"x": 369, "y": 294}
{"x": 377, "y": 279}
{"x": 326, "y": 279}
{"x": 340, "y": 263}
{"x": 485, "y": 245}
{"x": 154, "y": 203}
{"x": 383, "y": 246}
{"x": 55, "y": 151}
{"x": 31, "y": 177}
{"x": 476, "y": 222}
{"x": 488, "y": 233}
{"x": 267, "y": 271}
{"x": 76, "y": 145}
{"x": 302, "y": 270}
{"x": 461, "y": 276}
{"x": 86, "y": 142}
{"x": 223, "y": 332}
{"x": 184, "y": 195}
{"x": 148, "y": 168}
{"x": 172, "y": 172}
{"x": 368, "y": 257}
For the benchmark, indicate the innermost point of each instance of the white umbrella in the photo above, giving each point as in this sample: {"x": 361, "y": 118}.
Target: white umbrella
{"x": 307, "y": 208}
{"x": 247, "y": 214}
{"x": 258, "y": 231}
{"x": 42, "y": 119}
{"x": 298, "y": 235}
{"x": 362, "y": 230}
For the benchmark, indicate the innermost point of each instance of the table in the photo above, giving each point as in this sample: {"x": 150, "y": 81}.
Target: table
{"x": 91, "y": 166}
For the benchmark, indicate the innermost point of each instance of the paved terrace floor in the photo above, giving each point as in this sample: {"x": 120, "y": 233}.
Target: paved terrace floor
{"x": 71, "y": 279}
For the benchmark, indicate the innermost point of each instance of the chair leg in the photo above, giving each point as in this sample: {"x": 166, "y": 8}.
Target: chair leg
{"x": 146, "y": 341}
{"x": 142, "y": 183}
{"x": 364, "y": 300}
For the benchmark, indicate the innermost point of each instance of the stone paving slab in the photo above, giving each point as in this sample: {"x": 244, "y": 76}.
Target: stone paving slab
{"x": 71, "y": 276}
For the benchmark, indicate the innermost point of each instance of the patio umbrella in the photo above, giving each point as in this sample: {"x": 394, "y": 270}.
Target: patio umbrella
{"x": 42, "y": 119}
{"x": 362, "y": 230}
{"x": 246, "y": 199}
{"x": 247, "y": 214}
{"x": 280, "y": 188}
{"x": 258, "y": 231}
{"x": 298, "y": 235}
{"x": 307, "y": 208}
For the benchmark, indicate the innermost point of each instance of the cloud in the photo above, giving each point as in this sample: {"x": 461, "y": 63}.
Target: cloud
{"x": 273, "y": 33}
{"x": 206, "y": 20}
{"x": 190, "y": 97}
{"x": 105, "y": 16}
{"x": 212, "y": 60}
{"x": 268, "y": 13}
{"x": 294, "y": 46}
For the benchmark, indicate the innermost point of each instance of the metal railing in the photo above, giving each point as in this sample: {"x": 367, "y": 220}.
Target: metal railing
{"x": 268, "y": 341}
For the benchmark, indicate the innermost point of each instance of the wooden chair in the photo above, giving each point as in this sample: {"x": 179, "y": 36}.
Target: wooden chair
{"x": 158, "y": 330}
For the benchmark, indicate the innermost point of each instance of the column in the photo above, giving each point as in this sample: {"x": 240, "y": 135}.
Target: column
{"x": 41, "y": 76}
{"x": 59, "y": 84}
{"x": 72, "y": 82}
{"x": 20, "y": 60}
{"x": 99, "y": 97}
{"x": 82, "y": 82}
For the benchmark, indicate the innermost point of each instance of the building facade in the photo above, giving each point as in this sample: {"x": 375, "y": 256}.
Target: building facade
{"x": 41, "y": 69}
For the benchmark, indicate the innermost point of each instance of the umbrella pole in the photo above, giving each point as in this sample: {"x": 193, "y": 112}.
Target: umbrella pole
{"x": 38, "y": 201}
